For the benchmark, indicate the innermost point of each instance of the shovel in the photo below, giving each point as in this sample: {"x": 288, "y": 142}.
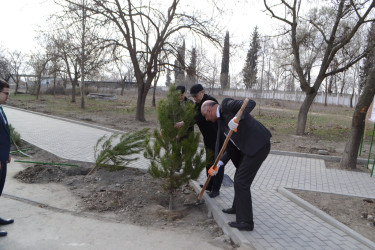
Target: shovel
{"x": 239, "y": 114}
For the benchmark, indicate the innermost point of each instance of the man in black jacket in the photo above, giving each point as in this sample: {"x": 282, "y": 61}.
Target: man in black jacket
{"x": 183, "y": 99}
{"x": 248, "y": 148}
{"x": 4, "y": 144}
{"x": 209, "y": 133}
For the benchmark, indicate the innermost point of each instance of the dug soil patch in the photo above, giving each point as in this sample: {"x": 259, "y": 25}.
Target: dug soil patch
{"x": 128, "y": 196}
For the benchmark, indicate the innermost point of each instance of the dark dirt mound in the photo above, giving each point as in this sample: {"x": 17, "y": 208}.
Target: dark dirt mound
{"x": 45, "y": 173}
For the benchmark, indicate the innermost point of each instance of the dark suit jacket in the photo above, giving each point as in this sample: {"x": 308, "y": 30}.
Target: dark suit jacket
{"x": 208, "y": 129}
{"x": 251, "y": 135}
{"x": 4, "y": 140}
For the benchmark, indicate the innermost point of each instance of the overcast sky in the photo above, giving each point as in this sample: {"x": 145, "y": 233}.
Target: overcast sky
{"x": 20, "y": 21}
{"x": 25, "y": 17}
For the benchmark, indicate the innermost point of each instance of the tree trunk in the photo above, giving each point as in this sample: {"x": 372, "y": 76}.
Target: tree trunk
{"x": 351, "y": 99}
{"x": 153, "y": 95}
{"x": 17, "y": 85}
{"x": 54, "y": 84}
{"x": 349, "y": 158}
{"x": 326, "y": 94}
{"x": 303, "y": 111}
{"x": 74, "y": 83}
{"x": 171, "y": 201}
{"x": 141, "y": 100}
{"x": 82, "y": 94}
{"x": 38, "y": 87}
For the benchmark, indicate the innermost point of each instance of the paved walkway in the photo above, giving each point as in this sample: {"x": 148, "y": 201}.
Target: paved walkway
{"x": 282, "y": 220}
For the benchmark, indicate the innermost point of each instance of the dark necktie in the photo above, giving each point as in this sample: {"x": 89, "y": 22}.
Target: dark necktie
{"x": 5, "y": 120}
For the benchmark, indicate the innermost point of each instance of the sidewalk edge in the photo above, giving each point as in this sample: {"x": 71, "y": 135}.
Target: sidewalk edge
{"x": 324, "y": 216}
{"x": 221, "y": 220}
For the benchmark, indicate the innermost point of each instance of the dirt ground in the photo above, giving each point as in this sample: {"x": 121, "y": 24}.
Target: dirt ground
{"x": 133, "y": 196}
{"x": 128, "y": 196}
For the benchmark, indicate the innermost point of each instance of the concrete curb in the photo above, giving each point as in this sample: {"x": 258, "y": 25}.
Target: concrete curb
{"x": 236, "y": 236}
{"x": 315, "y": 156}
{"x": 327, "y": 218}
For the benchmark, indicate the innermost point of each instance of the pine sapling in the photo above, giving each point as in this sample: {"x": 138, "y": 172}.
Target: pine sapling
{"x": 174, "y": 154}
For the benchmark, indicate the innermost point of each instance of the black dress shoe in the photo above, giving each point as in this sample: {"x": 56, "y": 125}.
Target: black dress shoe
{"x": 6, "y": 222}
{"x": 3, "y": 233}
{"x": 243, "y": 226}
{"x": 229, "y": 211}
{"x": 213, "y": 194}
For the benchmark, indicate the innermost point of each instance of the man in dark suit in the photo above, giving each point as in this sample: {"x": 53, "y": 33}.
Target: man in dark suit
{"x": 209, "y": 133}
{"x": 4, "y": 145}
{"x": 248, "y": 148}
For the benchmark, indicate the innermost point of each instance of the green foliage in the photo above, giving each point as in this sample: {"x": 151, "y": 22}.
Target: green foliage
{"x": 175, "y": 149}
{"x": 118, "y": 156}
{"x": 15, "y": 137}
{"x": 224, "y": 82}
{"x": 250, "y": 69}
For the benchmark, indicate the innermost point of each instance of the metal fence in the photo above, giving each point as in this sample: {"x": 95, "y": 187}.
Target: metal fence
{"x": 297, "y": 96}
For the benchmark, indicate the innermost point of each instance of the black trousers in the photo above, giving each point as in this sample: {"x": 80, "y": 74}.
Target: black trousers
{"x": 246, "y": 169}
{"x": 217, "y": 180}
{"x": 3, "y": 174}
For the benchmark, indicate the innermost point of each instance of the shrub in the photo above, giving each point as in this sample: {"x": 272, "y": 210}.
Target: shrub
{"x": 15, "y": 137}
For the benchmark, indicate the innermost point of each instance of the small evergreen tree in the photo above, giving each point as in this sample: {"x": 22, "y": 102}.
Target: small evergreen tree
{"x": 174, "y": 149}
{"x": 117, "y": 156}
{"x": 15, "y": 137}
{"x": 180, "y": 65}
{"x": 224, "y": 74}
{"x": 250, "y": 69}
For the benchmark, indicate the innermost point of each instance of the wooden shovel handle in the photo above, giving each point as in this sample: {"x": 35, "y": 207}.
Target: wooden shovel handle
{"x": 239, "y": 114}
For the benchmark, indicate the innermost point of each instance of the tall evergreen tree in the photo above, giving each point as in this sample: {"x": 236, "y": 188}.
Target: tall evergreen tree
{"x": 224, "y": 74}
{"x": 180, "y": 65}
{"x": 168, "y": 78}
{"x": 175, "y": 149}
{"x": 191, "y": 70}
{"x": 250, "y": 69}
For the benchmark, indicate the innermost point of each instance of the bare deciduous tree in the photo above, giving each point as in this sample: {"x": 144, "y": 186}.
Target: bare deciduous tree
{"x": 331, "y": 23}
{"x": 38, "y": 62}
{"x": 16, "y": 62}
{"x": 349, "y": 159}
{"x": 146, "y": 30}
{"x": 84, "y": 54}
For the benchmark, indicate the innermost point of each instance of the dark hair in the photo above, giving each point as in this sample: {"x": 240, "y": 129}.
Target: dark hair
{"x": 181, "y": 88}
{"x": 3, "y": 84}
{"x": 195, "y": 89}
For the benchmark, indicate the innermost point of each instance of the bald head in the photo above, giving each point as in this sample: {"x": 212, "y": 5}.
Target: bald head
{"x": 208, "y": 110}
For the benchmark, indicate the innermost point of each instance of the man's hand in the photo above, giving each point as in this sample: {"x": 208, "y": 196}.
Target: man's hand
{"x": 233, "y": 124}
{"x": 9, "y": 159}
{"x": 214, "y": 169}
{"x": 179, "y": 124}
